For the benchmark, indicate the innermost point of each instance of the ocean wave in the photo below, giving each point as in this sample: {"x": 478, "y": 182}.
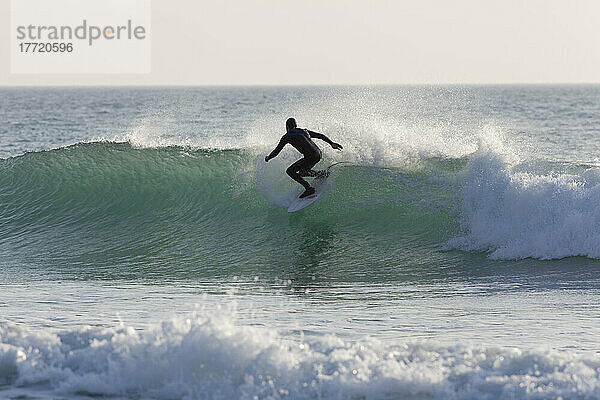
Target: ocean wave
{"x": 173, "y": 210}
{"x": 212, "y": 357}
{"x": 112, "y": 198}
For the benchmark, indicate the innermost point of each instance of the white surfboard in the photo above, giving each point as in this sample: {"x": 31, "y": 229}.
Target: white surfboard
{"x": 320, "y": 184}
{"x": 300, "y": 203}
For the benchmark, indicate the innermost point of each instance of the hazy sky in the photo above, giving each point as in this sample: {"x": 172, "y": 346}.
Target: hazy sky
{"x": 220, "y": 42}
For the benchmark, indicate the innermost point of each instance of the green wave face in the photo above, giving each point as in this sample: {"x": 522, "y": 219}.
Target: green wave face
{"x": 107, "y": 210}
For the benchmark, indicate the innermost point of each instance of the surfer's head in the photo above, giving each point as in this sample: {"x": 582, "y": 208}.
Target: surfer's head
{"x": 290, "y": 124}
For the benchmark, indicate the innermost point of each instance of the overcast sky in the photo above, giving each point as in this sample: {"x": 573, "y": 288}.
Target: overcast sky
{"x": 198, "y": 42}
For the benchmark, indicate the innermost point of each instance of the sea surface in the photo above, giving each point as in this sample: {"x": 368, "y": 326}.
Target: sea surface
{"x": 146, "y": 251}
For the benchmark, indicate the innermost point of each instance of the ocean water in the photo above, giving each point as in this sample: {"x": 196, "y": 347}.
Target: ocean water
{"x": 146, "y": 251}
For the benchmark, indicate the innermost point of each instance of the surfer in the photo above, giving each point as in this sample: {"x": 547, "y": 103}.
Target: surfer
{"x": 301, "y": 140}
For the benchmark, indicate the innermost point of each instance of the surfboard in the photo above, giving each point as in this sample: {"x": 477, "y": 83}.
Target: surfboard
{"x": 320, "y": 184}
{"x": 300, "y": 203}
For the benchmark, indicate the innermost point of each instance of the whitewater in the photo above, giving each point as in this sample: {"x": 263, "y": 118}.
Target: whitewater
{"x": 146, "y": 250}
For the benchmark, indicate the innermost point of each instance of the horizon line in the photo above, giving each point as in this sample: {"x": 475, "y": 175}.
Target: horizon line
{"x": 223, "y": 85}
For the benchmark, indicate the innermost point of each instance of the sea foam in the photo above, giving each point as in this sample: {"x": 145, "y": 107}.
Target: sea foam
{"x": 213, "y": 357}
{"x": 516, "y": 215}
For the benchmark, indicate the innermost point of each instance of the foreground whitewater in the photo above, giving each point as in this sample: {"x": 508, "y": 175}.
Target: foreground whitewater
{"x": 146, "y": 251}
{"x": 213, "y": 358}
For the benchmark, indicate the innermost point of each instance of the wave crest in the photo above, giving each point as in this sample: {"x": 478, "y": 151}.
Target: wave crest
{"x": 514, "y": 214}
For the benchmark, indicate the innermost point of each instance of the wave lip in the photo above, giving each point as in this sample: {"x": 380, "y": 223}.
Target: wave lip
{"x": 212, "y": 357}
{"x": 516, "y": 215}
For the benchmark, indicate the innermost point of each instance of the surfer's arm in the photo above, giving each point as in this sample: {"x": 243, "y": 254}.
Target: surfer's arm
{"x": 277, "y": 149}
{"x": 324, "y": 138}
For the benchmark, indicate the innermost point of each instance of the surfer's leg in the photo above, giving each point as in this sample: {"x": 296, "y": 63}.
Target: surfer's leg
{"x": 292, "y": 171}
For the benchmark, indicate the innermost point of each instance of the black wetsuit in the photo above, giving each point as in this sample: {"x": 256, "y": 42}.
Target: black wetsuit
{"x": 301, "y": 140}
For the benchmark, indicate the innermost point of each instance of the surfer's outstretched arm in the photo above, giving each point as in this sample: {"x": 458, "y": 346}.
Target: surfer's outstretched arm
{"x": 324, "y": 138}
{"x": 276, "y": 151}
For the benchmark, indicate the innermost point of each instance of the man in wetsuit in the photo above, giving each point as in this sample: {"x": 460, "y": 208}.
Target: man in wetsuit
{"x": 301, "y": 140}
